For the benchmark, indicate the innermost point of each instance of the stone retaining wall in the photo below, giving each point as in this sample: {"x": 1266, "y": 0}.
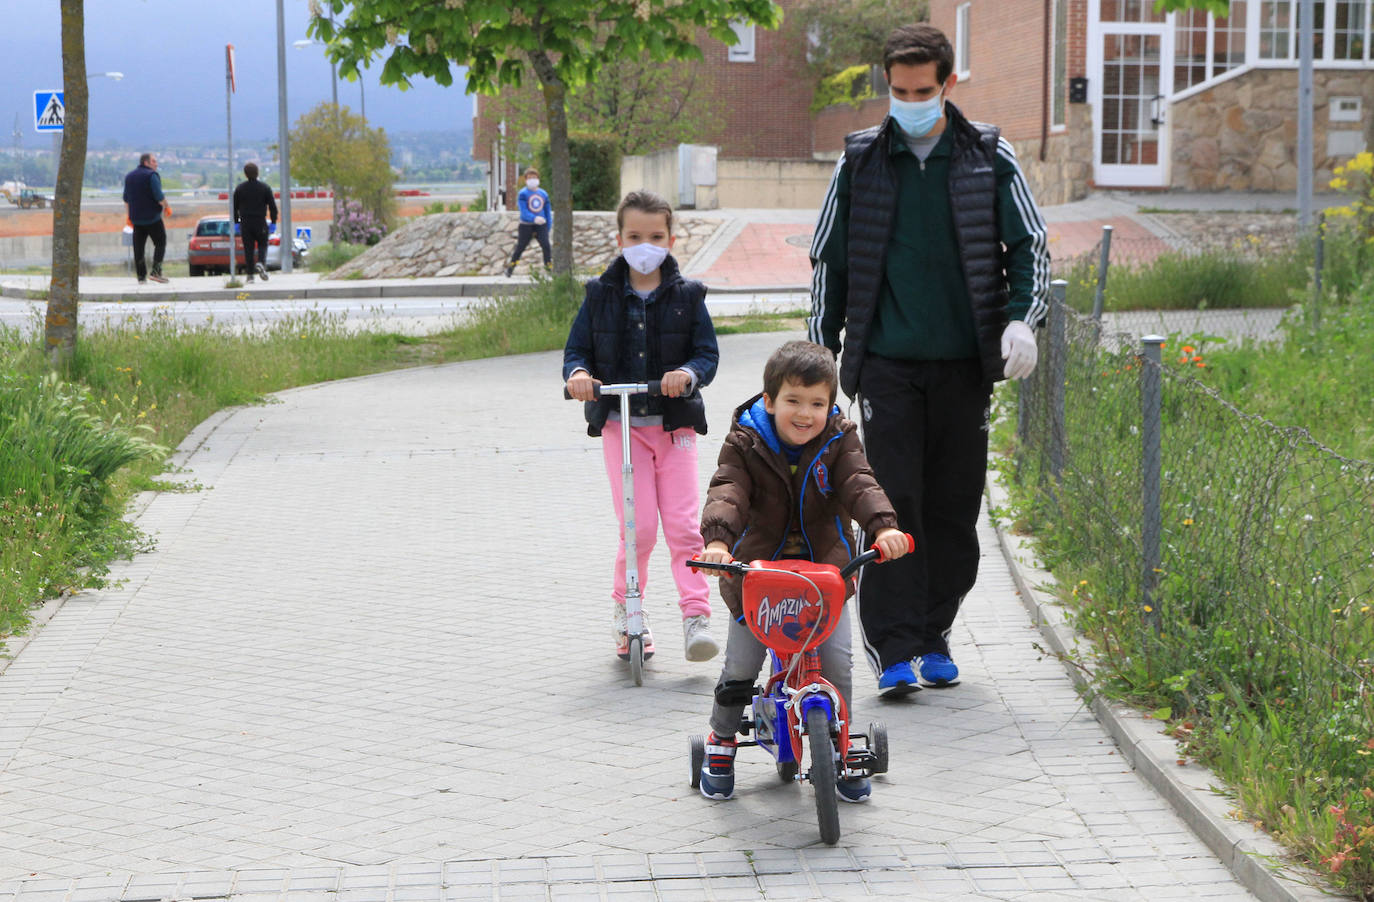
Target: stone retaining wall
{"x": 471, "y": 244}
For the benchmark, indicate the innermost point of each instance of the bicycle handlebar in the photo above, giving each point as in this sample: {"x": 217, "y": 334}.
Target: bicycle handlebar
{"x": 652, "y": 389}
{"x": 872, "y": 554}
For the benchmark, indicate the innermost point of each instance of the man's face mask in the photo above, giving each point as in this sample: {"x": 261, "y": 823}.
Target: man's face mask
{"x": 917, "y": 117}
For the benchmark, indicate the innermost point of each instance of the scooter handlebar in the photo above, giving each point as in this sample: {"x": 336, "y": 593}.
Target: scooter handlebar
{"x": 652, "y": 389}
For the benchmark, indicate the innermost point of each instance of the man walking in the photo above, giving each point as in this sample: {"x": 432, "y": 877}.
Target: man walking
{"x": 930, "y": 256}
{"x": 144, "y": 205}
{"x": 253, "y": 202}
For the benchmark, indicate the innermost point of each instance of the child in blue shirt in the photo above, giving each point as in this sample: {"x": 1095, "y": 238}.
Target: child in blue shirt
{"x": 534, "y": 220}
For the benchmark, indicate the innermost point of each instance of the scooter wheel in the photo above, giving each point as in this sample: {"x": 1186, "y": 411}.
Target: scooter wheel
{"x": 637, "y": 660}
{"x": 877, "y": 744}
{"x": 697, "y": 744}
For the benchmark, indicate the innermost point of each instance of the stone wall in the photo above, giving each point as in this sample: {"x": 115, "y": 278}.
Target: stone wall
{"x": 1066, "y": 172}
{"x": 1241, "y": 135}
{"x": 471, "y": 244}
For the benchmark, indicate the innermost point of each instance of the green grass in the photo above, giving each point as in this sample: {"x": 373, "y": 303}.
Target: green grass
{"x": 1262, "y": 661}
{"x": 74, "y": 451}
{"x": 326, "y": 256}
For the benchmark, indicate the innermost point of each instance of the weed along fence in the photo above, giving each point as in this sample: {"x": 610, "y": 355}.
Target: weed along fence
{"x": 1223, "y": 565}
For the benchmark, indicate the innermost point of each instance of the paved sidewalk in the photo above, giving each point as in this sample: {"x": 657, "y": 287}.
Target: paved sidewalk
{"x": 369, "y": 660}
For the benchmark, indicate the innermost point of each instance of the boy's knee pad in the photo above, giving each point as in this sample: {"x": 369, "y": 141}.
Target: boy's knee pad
{"x": 731, "y": 693}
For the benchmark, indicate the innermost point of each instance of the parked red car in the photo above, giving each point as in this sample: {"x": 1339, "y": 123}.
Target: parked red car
{"x": 208, "y": 249}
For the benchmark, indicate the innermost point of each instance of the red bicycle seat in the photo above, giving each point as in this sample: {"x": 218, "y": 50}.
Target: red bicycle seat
{"x": 783, "y": 608}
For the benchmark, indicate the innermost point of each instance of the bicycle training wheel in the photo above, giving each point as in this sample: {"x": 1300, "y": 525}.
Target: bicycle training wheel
{"x": 637, "y": 659}
{"x": 877, "y": 744}
{"x": 822, "y": 775}
{"x": 787, "y": 771}
{"x": 697, "y": 743}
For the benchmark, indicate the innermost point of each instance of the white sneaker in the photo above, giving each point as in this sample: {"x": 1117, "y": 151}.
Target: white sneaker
{"x": 697, "y": 641}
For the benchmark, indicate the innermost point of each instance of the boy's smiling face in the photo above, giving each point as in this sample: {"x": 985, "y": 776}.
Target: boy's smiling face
{"x": 799, "y": 411}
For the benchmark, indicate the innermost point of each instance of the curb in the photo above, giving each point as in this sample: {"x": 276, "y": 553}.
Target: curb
{"x": 1258, "y": 862}
{"x": 358, "y": 289}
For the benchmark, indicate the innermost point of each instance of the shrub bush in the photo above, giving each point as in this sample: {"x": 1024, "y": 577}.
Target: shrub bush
{"x": 595, "y": 170}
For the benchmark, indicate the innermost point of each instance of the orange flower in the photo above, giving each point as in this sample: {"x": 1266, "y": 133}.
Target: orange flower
{"x": 1187, "y": 349}
{"x": 1201, "y": 364}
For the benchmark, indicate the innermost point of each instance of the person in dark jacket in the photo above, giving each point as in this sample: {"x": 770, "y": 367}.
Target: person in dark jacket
{"x": 930, "y": 256}
{"x": 144, "y": 206}
{"x": 790, "y": 477}
{"x": 253, "y": 203}
{"x": 642, "y": 322}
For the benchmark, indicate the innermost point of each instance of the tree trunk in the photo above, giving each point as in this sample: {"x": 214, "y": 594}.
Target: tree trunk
{"x": 556, "y": 114}
{"x": 59, "y": 329}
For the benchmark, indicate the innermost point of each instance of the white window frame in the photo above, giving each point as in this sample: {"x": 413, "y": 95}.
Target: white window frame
{"x": 742, "y": 51}
{"x": 1328, "y": 26}
{"x": 961, "y": 41}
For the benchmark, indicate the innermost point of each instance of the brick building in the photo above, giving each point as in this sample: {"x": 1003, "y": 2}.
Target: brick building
{"x": 1168, "y": 100}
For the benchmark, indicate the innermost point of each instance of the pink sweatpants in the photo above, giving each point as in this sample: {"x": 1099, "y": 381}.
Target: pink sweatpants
{"x": 665, "y": 465}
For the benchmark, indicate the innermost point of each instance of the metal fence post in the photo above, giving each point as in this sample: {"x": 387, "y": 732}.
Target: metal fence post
{"x": 1102, "y": 264}
{"x": 1058, "y": 364}
{"x": 1151, "y": 397}
{"x": 1317, "y": 272}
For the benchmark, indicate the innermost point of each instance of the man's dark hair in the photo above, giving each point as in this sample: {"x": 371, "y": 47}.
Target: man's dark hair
{"x": 144, "y": 157}
{"x": 250, "y": 170}
{"x": 913, "y": 45}
{"x": 802, "y": 362}
{"x": 645, "y": 202}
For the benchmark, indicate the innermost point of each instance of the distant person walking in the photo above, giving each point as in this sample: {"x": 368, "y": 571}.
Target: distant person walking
{"x": 253, "y": 202}
{"x": 144, "y": 206}
{"x": 534, "y": 220}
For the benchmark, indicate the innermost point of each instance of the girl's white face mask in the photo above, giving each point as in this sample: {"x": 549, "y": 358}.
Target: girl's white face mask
{"x": 644, "y": 258}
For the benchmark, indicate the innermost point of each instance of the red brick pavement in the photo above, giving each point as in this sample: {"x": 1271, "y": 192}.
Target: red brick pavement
{"x": 775, "y": 254}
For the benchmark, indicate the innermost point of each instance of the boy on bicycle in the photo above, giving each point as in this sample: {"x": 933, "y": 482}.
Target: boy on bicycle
{"x": 790, "y": 477}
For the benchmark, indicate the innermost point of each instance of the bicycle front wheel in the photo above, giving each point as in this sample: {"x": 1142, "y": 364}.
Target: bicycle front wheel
{"x": 822, "y": 775}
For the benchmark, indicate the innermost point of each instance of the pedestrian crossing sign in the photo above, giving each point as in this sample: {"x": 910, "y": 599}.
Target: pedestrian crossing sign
{"x": 49, "y": 111}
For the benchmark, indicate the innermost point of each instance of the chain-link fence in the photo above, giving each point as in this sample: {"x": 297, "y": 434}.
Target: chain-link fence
{"x": 1216, "y": 557}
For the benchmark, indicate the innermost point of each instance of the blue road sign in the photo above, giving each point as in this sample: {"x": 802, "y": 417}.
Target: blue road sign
{"x": 49, "y": 111}
{"x": 303, "y": 233}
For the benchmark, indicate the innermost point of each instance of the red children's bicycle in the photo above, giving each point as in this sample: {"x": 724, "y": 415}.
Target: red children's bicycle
{"x": 793, "y": 606}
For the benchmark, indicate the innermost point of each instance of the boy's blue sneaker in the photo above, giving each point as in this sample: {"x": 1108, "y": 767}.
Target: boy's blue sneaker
{"x": 898, "y": 680}
{"x": 718, "y": 770}
{"x": 937, "y": 671}
{"x": 856, "y": 790}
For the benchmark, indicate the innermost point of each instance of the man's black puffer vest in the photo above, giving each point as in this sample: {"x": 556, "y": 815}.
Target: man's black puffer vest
{"x": 668, "y": 327}
{"x": 973, "y": 203}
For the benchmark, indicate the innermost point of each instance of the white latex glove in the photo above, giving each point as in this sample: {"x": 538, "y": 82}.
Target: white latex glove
{"x": 1019, "y": 350}
{"x": 539, "y": 220}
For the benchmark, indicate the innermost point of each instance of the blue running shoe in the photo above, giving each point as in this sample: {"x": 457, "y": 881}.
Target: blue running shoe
{"x": 856, "y": 789}
{"x": 898, "y": 680}
{"x": 937, "y": 671}
{"x": 718, "y": 770}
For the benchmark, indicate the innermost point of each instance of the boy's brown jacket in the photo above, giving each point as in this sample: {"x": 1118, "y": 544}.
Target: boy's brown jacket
{"x": 755, "y": 500}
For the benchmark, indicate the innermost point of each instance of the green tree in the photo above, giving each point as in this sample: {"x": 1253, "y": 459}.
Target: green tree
{"x": 840, "y": 34}
{"x": 59, "y": 324}
{"x": 335, "y": 147}
{"x": 564, "y": 43}
{"x": 645, "y": 104}
{"x": 1215, "y": 7}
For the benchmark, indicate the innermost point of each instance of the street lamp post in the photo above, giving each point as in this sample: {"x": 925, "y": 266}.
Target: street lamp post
{"x": 287, "y": 236}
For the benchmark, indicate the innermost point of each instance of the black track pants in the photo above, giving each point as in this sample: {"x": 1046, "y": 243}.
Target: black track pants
{"x": 925, "y": 433}
{"x": 527, "y": 231}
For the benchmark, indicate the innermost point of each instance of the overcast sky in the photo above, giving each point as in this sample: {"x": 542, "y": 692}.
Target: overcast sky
{"x": 172, "y": 55}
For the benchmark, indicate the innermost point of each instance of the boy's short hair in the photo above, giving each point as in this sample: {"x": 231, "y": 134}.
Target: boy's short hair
{"x": 646, "y": 202}
{"x": 913, "y": 45}
{"x": 531, "y": 172}
{"x": 802, "y": 362}
{"x": 250, "y": 170}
